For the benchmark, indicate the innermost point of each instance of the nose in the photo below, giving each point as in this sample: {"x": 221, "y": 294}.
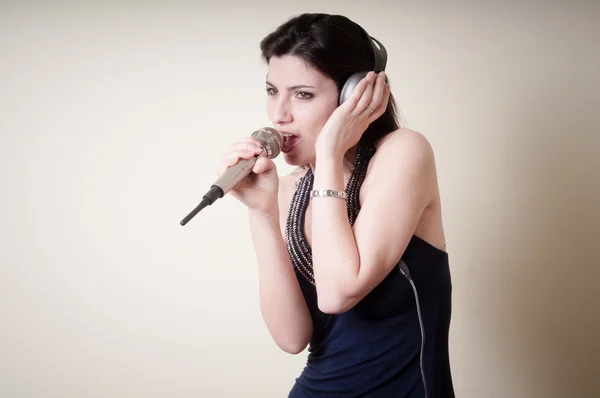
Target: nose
{"x": 281, "y": 112}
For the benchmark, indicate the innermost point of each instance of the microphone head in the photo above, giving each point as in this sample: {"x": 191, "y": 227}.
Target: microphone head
{"x": 271, "y": 139}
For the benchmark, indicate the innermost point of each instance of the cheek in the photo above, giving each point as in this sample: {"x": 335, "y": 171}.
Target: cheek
{"x": 316, "y": 117}
{"x": 316, "y": 113}
{"x": 270, "y": 107}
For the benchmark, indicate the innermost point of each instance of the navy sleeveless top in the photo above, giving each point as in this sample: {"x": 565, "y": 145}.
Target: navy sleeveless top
{"x": 373, "y": 349}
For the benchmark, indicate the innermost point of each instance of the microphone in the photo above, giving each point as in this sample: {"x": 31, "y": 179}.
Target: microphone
{"x": 271, "y": 141}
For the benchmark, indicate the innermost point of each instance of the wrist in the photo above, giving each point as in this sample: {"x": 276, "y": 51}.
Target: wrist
{"x": 327, "y": 147}
{"x": 329, "y": 153}
{"x": 264, "y": 215}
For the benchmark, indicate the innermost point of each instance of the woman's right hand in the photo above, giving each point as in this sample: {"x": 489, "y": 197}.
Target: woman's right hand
{"x": 259, "y": 190}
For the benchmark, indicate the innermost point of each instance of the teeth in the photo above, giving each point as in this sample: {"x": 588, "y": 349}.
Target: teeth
{"x": 287, "y": 135}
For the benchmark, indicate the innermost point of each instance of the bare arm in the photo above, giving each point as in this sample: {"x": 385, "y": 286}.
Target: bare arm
{"x": 282, "y": 304}
{"x": 350, "y": 262}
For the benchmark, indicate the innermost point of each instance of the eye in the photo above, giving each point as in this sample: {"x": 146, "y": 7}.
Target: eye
{"x": 304, "y": 95}
{"x": 270, "y": 91}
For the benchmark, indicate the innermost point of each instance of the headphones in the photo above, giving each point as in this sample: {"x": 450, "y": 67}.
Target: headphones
{"x": 380, "y": 59}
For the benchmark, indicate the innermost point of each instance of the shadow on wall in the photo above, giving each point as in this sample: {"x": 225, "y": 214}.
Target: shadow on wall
{"x": 543, "y": 271}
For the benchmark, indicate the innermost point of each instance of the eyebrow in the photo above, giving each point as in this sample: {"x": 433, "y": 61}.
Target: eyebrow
{"x": 291, "y": 88}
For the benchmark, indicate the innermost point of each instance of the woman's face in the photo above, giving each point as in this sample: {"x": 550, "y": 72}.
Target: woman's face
{"x": 299, "y": 103}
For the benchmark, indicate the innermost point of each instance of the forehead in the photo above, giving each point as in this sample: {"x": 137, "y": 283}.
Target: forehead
{"x": 289, "y": 70}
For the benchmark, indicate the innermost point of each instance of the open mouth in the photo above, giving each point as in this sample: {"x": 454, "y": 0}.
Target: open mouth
{"x": 289, "y": 142}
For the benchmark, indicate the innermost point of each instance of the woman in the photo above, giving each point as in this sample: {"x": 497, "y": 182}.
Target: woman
{"x": 329, "y": 266}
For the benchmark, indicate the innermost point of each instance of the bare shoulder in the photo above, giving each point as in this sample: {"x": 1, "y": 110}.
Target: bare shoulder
{"x": 404, "y": 159}
{"x": 403, "y": 169}
{"x": 405, "y": 146}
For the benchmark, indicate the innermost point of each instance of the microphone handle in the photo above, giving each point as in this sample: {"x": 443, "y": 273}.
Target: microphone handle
{"x": 236, "y": 173}
{"x": 229, "y": 179}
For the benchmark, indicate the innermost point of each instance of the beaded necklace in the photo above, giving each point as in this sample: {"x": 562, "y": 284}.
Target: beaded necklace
{"x": 298, "y": 247}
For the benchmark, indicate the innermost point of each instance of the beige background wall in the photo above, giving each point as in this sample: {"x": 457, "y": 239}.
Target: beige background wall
{"x": 113, "y": 118}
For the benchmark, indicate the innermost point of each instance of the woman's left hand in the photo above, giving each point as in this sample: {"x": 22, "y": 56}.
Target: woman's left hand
{"x": 350, "y": 120}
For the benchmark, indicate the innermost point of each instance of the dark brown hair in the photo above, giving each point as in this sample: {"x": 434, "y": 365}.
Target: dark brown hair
{"x": 335, "y": 46}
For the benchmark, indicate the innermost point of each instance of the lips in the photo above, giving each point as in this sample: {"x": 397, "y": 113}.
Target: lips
{"x": 289, "y": 141}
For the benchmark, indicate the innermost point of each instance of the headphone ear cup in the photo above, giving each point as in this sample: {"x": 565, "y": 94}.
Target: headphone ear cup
{"x": 350, "y": 84}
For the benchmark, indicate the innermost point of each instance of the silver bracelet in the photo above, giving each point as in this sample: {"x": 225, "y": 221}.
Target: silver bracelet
{"x": 328, "y": 192}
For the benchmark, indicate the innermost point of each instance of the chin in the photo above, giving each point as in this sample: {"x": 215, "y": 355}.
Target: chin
{"x": 299, "y": 156}
{"x": 294, "y": 160}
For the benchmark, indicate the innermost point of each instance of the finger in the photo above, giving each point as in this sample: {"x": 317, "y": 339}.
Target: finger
{"x": 247, "y": 145}
{"x": 357, "y": 93}
{"x": 232, "y": 158}
{"x": 263, "y": 165}
{"x": 246, "y": 141}
{"x": 378, "y": 91}
{"x": 383, "y": 103}
{"x": 366, "y": 97}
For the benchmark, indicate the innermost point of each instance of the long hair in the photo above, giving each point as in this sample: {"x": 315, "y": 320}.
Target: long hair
{"x": 337, "y": 47}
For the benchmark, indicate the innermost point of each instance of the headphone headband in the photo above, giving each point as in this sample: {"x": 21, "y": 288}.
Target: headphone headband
{"x": 379, "y": 63}
{"x": 379, "y": 54}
